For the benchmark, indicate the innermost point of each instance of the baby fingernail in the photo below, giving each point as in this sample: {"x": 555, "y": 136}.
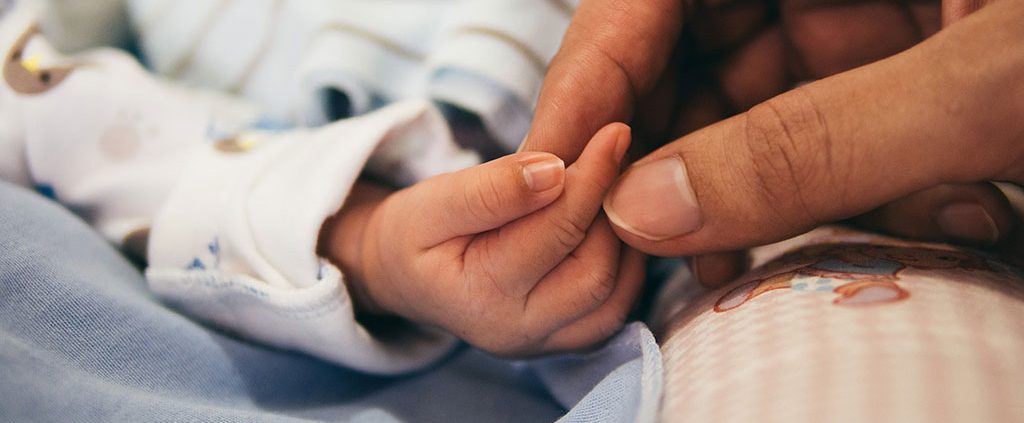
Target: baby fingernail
{"x": 655, "y": 201}
{"x": 969, "y": 222}
{"x": 544, "y": 174}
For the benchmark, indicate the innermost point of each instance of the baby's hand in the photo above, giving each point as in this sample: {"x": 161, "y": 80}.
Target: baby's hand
{"x": 511, "y": 255}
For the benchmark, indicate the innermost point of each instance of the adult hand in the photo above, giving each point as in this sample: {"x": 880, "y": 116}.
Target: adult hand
{"x": 887, "y": 138}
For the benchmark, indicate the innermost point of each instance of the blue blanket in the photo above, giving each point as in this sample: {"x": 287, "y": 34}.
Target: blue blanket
{"x": 81, "y": 339}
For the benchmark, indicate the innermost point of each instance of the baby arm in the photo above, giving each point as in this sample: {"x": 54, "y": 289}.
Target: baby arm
{"x": 507, "y": 255}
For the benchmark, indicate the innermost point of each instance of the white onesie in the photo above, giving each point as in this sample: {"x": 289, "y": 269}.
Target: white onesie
{"x": 233, "y": 212}
{"x": 484, "y": 56}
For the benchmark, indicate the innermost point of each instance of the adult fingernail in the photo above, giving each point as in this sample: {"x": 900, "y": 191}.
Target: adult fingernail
{"x": 655, "y": 201}
{"x": 544, "y": 173}
{"x": 969, "y": 222}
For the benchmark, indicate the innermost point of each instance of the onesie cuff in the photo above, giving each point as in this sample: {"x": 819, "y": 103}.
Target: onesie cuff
{"x": 235, "y": 245}
{"x": 492, "y": 59}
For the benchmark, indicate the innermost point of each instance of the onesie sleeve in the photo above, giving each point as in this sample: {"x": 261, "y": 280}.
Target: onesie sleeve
{"x": 232, "y": 213}
{"x": 235, "y": 242}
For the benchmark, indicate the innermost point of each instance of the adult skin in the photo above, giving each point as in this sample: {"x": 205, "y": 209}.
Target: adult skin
{"x": 896, "y": 133}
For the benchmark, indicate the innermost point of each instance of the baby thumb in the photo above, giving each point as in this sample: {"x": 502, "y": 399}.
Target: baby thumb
{"x": 487, "y": 196}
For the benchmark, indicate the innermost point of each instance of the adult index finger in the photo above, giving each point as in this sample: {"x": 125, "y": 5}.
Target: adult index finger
{"x": 613, "y": 53}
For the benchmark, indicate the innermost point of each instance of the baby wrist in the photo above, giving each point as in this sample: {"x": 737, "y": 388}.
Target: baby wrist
{"x": 342, "y": 240}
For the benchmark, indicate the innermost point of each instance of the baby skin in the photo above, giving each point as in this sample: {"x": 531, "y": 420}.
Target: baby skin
{"x": 512, "y": 256}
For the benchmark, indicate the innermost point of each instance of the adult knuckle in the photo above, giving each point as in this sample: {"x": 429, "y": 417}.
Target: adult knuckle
{"x": 791, "y": 152}
{"x": 610, "y": 38}
{"x": 608, "y": 60}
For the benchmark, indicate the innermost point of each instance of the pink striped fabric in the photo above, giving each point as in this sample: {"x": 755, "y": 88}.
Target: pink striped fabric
{"x": 949, "y": 348}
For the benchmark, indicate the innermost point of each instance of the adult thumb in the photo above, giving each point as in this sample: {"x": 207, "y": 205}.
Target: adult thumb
{"x": 945, "y": 111}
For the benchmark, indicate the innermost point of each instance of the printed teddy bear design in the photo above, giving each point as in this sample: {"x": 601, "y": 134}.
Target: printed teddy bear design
{"x": 860, "y": 274}
{"x": 24, "y": 75}
{"x": 124, "y": 136}
{"x": 234, "y": 144}
{"x": 226, "y": 139}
